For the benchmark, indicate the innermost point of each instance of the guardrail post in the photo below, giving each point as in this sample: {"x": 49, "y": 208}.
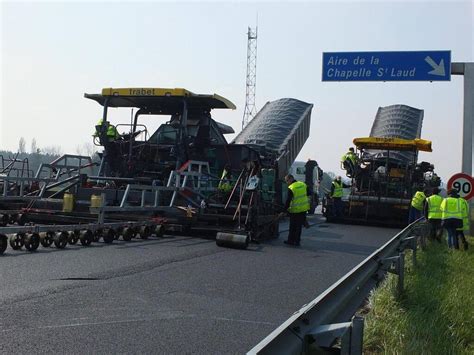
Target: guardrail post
{"x": 413, "y": 248}
{"x": 357, "y": 335}
{"x": 411, "y": 243}
{"x": 401, "y": 272}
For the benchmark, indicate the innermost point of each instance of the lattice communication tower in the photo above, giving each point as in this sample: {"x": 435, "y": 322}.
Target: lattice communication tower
{"x": 251, "y": 82}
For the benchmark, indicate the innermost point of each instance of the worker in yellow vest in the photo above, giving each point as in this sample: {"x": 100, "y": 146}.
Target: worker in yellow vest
{"x": 110, "y": 130}
{"x": 451, "y": 214}
{"x": 465, "y": 222}
{"x": 433, "y": 213}
{"x": 297, "y": 204}
{"x": 225, "y": 183}
{"x": 416, "y": 207}
{"x": 350, "y": 162}
{"x": 336, "y": 194}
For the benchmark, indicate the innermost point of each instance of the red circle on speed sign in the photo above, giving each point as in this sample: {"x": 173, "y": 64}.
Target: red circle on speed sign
{"x": 464, "y": 184}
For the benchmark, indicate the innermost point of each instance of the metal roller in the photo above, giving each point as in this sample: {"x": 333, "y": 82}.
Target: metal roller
{"x": 231, "y": 240}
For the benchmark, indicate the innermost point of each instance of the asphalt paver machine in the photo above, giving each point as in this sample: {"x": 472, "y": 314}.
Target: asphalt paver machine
{"x": 181, "y": 177}
{"x": 383, "y": 183}
{"x": 185, "y": 174}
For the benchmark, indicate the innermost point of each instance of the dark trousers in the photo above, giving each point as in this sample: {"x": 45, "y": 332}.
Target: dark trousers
{"x": 451, "y": 225}
{"x": 435, "y": 229}
{"x": 296, "y": 224}
{"x": 413, "y": 214}
{"x": 338, "y": 207}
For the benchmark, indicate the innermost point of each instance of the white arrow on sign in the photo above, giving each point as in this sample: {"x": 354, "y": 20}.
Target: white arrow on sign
{"x": 438, "y": 69}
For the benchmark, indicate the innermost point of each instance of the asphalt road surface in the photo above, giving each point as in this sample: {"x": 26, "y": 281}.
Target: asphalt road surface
{"x": 170, "y": 295}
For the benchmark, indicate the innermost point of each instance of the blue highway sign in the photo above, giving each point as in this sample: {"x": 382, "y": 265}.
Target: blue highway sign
{"x": 387, "y": 66}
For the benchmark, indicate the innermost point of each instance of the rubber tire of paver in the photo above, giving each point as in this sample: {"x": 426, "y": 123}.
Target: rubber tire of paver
{"x": 60, "y": 239}
{"x": 96, "y": 235}
{"x": 4, "y": 219}
{"x": 145, "y": 232}
{"x": 21, "y": 219}
{"x": 17, "y": 241}
{"x": 118, "y": 233}
{"x": 127, "y": 234}
{"x": 159, "y": 230}
{"x": 73, "y": 237}
{"x": 46, "y": 239}
{"x": 3, "y": 243}
{"x": 32, "y": 241}
{"x": 108, "y": 236}
{"x": 86, "y": 238}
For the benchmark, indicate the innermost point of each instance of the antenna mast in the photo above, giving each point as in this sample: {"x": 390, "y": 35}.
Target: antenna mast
{"x": 251, "y": 82}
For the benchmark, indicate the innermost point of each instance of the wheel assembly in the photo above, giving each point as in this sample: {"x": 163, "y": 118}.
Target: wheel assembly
{"x": 32, "y": 241}
{"x": 96, "y": 235}
{"x": 17, "y": 241}
{"x": 73, "y": 237}
{"x": 21, "y": 219}
{"x": 108, "y": 235}
{"x": 4, "y": 219}
{"x": 159, "y": 230}
{"x": 145, "y": 232}
{"x": 127, "y": 234}
{"x": 86, "y": 237}
{"x": 60, "y": 239}
{"x": 3, "y": 243}
{"x": 118, "y": 233}
{"x": 46, "y": 239}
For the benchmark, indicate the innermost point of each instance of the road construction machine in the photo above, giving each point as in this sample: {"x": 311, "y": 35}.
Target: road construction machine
{"x": 382, "y": 183}
{"x": 183, "y": 177}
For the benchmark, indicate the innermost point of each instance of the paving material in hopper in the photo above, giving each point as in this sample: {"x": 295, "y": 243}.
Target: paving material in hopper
{"x": 397, "y": 121}
{"x": 282, "y": 127}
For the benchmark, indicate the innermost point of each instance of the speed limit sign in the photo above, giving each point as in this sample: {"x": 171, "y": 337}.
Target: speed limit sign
{"x": 464, "y": 184}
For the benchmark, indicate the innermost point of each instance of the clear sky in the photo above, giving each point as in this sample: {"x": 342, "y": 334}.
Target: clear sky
{"x": 54, "y": 52}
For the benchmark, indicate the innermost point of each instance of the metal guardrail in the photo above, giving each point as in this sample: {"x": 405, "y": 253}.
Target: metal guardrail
{"x": 330, "y": 317}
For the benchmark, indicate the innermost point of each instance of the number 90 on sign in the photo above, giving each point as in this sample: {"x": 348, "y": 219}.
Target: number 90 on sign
{"x": 463, "y": 187}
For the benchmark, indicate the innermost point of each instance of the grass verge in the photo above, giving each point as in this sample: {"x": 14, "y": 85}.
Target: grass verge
{"x": 435, "y": 314}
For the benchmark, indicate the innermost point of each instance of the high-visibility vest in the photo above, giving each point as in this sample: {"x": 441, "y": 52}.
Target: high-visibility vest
{"x": 434, "y": 204}
{"x": 451, "y": 208}
{"x": 337, "y": 189}
{"x": 417, "y": 200}
{"x": 111, "y": 130}
{"x": 351, "y": 156}
{"x": 299, "y": 202}
{"x": 465, "y": 215}
{"x": 224, "y": 183}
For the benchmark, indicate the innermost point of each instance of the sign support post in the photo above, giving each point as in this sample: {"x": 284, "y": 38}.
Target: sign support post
{"x": 467, "y": 70}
